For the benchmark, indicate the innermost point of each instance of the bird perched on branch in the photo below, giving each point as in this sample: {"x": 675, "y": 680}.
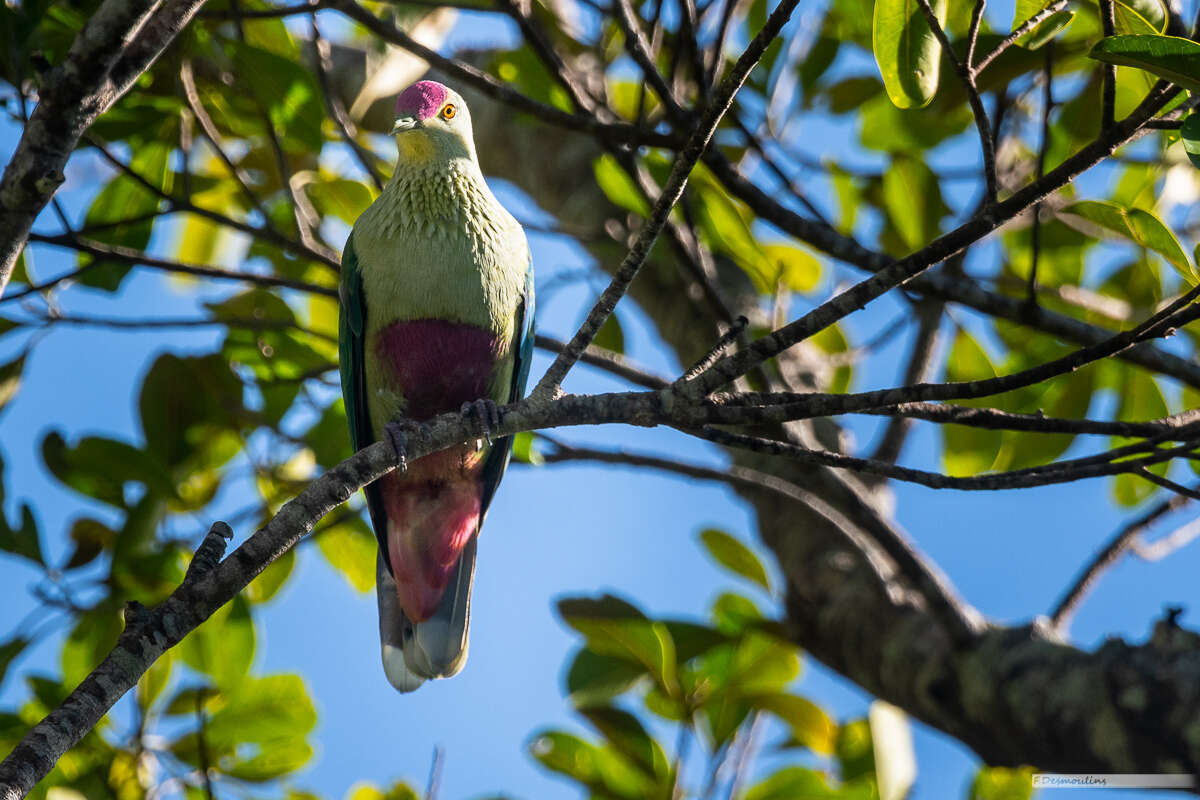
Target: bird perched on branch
{"x": 436, "y": 316}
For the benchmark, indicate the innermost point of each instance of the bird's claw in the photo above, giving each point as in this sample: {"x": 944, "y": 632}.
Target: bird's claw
{"x": 397, "y": 433}
{"x": 487, "y": 416}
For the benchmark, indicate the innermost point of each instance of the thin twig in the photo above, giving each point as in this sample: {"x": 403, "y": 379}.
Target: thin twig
{"x": 976, "y": 102}
{"x": 1108, "y": 96}
{"x": 672, "y": 190}
{"x": 920, "y": 365}
{"x": 1022, "y": 29}
{"x": 1065, "y": 608}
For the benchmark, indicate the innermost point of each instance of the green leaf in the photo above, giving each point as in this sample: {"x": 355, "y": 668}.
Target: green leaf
{"x": 350, "y": 548}
{"x": 223, "y": 646}
{"x": 610, "y": 336}
{"x": 1002, "y": 783}
{"x": 525, "y": 450}
{"x": 182, "y": 401}
{"x": 100, "y": 467}
{"x": 855, "y": 751}
{"x": 92, "y": 638}
{"x": 810, "y": 726}
{"x": 10, "y": 380}
{"x": 280, "y": 759}
{"x": 1138, "y": 226}
{"x": 268, "y": 582}
{"x": 603, "y": 771}
{"x": 1126, "y": 20}
{"x": 733, "y": 613}
{"x": 340, "y": 197}
{"x": 265, "y": 711}
{"x": 735, "y": 556}
{"x": 790, "y": 783}
{"x": 22, "y": 541}
{"x": 627, "y": 736}
{"x": 186, "y": 701}
{"x": 616, "y": 628}
{"x": 122, "y": 199}
{"x": 594, "y": 679}
{"x": 1171, "y": 57}
{"x": 91, "y": 537}
{"x": 1190, "y": 133}
{"x": 798, "y": 269}
{"x": 906, "y": 50}
{"x": 1024, "y": 10}
{"x": 966, "y": 450}
{"x": 618, "y": 187}
{"x": 154, "y": 680}
{"x": 9, "y": 652}
{"x": 913, "y": 201}
{"x": 1142, "y": 400}
{"x": 287, "y": 91}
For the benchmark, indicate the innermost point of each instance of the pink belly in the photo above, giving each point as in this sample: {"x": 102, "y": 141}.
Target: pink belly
{"x": 433, "y": 509}
{"x": 437, "y": 365}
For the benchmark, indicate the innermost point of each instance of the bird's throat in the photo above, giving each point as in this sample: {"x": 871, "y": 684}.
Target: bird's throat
{"x": 416, "y": 148}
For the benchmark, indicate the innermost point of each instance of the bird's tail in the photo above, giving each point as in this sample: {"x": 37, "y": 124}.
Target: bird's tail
{"x": 435, "y": 648}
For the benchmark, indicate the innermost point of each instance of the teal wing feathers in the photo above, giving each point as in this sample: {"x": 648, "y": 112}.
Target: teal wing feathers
{"x": 497, "y": 460}
{"x": 352, "y": 326}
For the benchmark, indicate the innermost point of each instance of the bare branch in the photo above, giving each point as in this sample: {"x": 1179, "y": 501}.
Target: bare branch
{"x": 987, "y": 145}
{"x": 1065, "y": 608}
{"x": 684, "y": 162}
{"x": 119, "y": 42}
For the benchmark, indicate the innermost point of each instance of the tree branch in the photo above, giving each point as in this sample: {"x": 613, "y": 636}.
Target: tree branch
{"x": 119, "y": 42}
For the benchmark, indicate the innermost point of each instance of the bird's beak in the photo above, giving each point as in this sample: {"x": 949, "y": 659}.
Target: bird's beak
{"x": 406, "y": 122}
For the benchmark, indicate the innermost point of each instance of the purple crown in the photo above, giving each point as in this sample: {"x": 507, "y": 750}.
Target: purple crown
{"x": 422, "y": 99}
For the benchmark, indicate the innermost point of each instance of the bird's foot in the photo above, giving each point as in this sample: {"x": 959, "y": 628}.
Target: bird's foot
{"x": 397, "y": 432}
{"x": 487, "y": 416}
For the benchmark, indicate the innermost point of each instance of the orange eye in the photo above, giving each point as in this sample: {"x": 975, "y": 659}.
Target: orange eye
{"x": 448, "y": 111}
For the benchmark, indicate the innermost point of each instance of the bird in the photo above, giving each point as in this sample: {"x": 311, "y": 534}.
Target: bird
{"x": 436, "y": 315}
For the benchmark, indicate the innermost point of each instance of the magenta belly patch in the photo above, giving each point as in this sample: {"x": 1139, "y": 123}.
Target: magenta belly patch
{"x": 437, "y": 365}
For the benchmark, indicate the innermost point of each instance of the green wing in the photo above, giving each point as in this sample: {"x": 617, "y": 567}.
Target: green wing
{"x": 352, "y": 326}
{"x": 497, "y": 460}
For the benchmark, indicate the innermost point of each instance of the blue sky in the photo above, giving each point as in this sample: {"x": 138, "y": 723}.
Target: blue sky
{"x": 551, "y": 532}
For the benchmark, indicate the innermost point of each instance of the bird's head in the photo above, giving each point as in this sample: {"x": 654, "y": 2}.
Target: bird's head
{"x": 432, "y": 125}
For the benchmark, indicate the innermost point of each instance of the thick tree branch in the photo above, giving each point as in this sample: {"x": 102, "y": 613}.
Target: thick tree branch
{"x": 119, "y": 42}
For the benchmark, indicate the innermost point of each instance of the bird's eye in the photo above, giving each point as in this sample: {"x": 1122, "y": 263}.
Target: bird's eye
{"x": 448, "y": 111}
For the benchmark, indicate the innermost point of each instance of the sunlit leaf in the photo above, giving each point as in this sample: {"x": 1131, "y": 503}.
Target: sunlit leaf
{"x": 1190, "y": 133}
{"x": 618, "y": 187}
{"x": 734, "y": 556}
{"x": 906, "y": 50}
{"x": 340, "y": 197}
{"x": 629, "y": 738}
{"x": 92, "y": 638}
{"x": 1138, "y": 226}
{"x": 10, "y": 380}
{"x": 967, "y": 450}
{"x": 350, "y": 548}
{"x": 808, "y": 723}
{"x": 1002, "y": 783}
{"x": 790, "y": 783}
{"x": 223, "y": 646}
{"x": 616, "y": 628}
{"x": 732, "y": 613}
{"x": 268, "y": 582}
{"x": 594, "y": 679}
{"x": 525, "y": 450}
{"x": 1171, "y": 57}
{"x": 610, "y": 336}
{"x": 9, "y": 651}
{"x": 601, "y": 770}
